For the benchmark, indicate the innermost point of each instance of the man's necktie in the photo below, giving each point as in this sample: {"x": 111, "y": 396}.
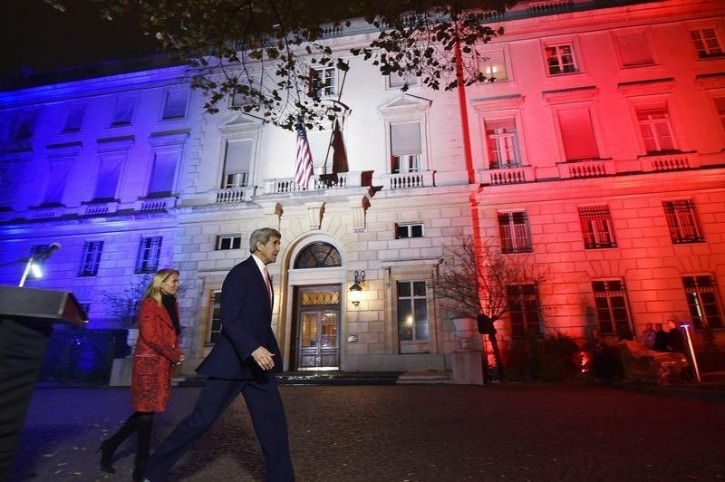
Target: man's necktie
{"x": 268, "y": 283}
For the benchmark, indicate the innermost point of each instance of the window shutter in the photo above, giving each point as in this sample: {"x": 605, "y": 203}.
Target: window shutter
{"x": 577, "y": 134}
{"x": 238, "y": 156}
{"x": 162, "y": 176}
{"x": 634, "y": 49}
{"x": 405, "y": 139}
{"x": 108, "y": 177}
{"x": 57, "y": 178}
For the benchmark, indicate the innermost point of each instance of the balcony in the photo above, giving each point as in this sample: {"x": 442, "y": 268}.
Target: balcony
{"x": 409, "y": 180}
{"x": 513, "y": 175}
{"x": 324, "y": 182}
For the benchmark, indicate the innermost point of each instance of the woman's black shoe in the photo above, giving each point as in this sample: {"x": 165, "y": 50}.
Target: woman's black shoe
{"x": 106, "y": 454}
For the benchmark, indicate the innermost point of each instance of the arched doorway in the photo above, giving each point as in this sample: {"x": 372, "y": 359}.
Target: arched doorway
{"x": 317, "y": 311}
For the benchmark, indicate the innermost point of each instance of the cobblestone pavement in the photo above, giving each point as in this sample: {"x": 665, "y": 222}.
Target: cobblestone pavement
{"x": 400, "y": 433}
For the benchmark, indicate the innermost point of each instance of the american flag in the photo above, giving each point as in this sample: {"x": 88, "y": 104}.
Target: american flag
{"x": 303, "y": 173}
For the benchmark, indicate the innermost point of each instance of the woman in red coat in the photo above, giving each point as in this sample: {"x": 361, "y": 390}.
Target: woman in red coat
{"x": 156, "y": 351}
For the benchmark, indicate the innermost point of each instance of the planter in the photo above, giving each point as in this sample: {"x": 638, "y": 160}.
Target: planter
{"x": 464, "y": 329}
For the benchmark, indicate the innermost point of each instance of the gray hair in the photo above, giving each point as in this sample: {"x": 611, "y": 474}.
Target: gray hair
{"x": 262, "y": 235}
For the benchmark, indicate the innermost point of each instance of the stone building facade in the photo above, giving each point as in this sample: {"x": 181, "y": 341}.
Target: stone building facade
{"x": 597, "y": 151}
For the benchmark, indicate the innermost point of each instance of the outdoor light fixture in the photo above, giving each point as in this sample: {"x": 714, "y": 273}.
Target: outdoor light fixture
{"x": 355, "y": 294}
{"x": 31, "y": 267}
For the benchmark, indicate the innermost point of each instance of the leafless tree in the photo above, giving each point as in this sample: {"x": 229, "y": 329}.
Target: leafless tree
{"x": 476, "y": 282}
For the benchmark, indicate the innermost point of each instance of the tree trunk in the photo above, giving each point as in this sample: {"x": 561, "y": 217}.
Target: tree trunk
{"x": 496, "y": 356}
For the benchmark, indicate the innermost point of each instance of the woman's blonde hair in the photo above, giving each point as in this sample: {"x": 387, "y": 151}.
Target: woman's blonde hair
{"x": 154, "y": 288}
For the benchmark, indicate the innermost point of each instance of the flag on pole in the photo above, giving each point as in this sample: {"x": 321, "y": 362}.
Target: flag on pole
{"x": 303, "y": 172}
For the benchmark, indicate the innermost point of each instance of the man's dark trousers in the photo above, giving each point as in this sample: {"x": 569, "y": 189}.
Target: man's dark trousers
{"x": 267, "y": 414}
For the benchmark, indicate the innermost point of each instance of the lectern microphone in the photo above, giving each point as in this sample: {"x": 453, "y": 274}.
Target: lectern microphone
{"x": 48, "y": 251}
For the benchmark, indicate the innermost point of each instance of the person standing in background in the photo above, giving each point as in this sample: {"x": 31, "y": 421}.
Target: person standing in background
{"x": 648, "y": 337}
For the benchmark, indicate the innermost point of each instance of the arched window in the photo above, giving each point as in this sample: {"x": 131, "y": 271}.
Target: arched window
{"x": 318, "y": 255}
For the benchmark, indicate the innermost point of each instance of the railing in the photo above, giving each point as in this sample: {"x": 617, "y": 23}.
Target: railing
{"x": 669, "y": 162}
{"x": 234, "y": 195}
{"x": 583, "y": 169}
{"x": 513, "y": 175}
{"x": 409, "y": 180}
{"x": 341, "y": 180}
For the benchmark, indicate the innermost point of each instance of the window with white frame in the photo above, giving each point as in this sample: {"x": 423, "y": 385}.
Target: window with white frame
{"x": 524, "y": 310}
{"x": 492, "y": 64}
{"x": 682, "y": 221}
{"x": 702, "y": 301}
{"x": 406, "y": 147}
{"x": 90, "y": 258}
{"x": 74, "y": 119}
{"x": 214, "y": 329}
{"x": 577, "y": 134}
{"x": 514, "y": 230}
{"x": 408, "y": 230}
{"x": 596, "y": 222}
{"x": 412, "y": 310}
{"x": 502, "y": 142}
{"x": 175, "y": 103}
{"x": 149, "y": 254}
{"x": 123, "y": 111}
{"x": 610, "y": 300}
{"x": 228, "y": 241}
{"x": 707, "y": 45}
{"x": 237, "y": 162}
{"x": 655, "y": 128}
{"x": 634, "y": 49}
{"x": 323, "y": 82}
{"x": 560, "y": 59}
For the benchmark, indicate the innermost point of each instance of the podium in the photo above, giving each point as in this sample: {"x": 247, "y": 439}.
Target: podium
{"x": 27, "y": 316}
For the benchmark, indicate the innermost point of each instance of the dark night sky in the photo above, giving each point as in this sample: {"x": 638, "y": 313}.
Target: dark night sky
{"x": 37, "y": 37}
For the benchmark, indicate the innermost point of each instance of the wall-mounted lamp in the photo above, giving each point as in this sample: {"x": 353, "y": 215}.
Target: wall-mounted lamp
{"x": 355, "y": 293}
{"x": 31, "y": 267}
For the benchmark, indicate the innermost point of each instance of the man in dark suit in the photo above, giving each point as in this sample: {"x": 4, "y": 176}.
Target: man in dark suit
{"x": 244, "y": 360}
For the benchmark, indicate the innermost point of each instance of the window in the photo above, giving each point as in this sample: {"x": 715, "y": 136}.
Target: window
{"x": 560, "y": 59}
{"x": 514, "y": 230}
{"x": 702, "y": 301}
{"x": 163, "y": 173}
{"x": 149, "y": 253}
{"x": 503, "y": 145}
{"x": 22, "y": 130}
{"x": 74, "y": 119}
{"x": 408, "y": 230}
{"x": 682, "y": 221}
{"x": 175, "y": 104}
{"x": 228, "y": 241}
{"x": 654, "y": 124}
{"x": 597, "y": 227}
{"x": 397, "y": 80}
{"x": 610, "y": 299}
{"x": 91, "y": 258}
{"x": 318, "y": 255}
{"x": 577, "y": 133}
{"x": 492, "y": 64}
{"x": 634, "y": 49}
{"x": 57, "y": 179}
{"x": 720, "y": 106}
{"x": 215, "y": 318}
{"x": 109, "y": 177}
{"x": 405, "y": 147}
{"x": 123, "y": 112}
{"x": 412, "y": 314}
{"x": 237, "y": 160}
{"x": 323, "y": 82}
{"x": 524, "y": 310}
{"x": 706, "y": 43}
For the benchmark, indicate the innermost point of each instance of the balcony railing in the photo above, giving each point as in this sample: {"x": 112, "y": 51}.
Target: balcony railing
{"x": 670, "y": 162}
{"x": 514, "y": 175}
{"x": 341, "y": 180}
{"x": 583, "y": 169}
{"x": 409, "y": 180}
